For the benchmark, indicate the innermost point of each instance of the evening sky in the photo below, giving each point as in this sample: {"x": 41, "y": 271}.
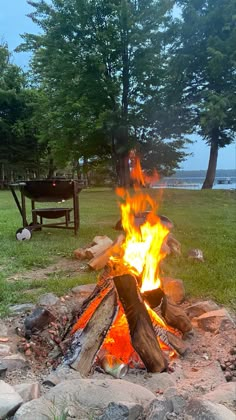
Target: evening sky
{"x": 13, "y": 22}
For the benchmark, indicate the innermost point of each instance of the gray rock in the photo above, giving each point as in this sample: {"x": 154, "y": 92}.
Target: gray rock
{"x": 38, "y": 320}
{"x": 196, "y": 254}
{"x": 178, "y": 403}
{"x": 215, "y": 320}
{"x": 3, "y": 369}
{"x": 28, "y": 391}
{"x": 3, "y": 329}
{"x": 48, "y": 299}
{"x": 201, "y": 308}
{"x": 122, "y": 410}
{"x": 18, "y": 309}
{"x": 62, "y": 373}
{"x": 63, "y": 310}
{"x": 10, "y": 400}
{"x": 4, "y": 350}
{"x": 200, "y": 409}
{"x": 38, "y": 410}
{"x": 225, "y": 394}
{"x": 90, "y": 396}
{"x": 15, "y": 361}
{"x": 154, "y": 381}
{"x": 84, "y": 290}
{"x": 158, "y": 409}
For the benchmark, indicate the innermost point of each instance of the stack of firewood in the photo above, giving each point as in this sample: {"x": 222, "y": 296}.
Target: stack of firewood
{"x": 102, "y": 247}
{"x": 99, "y": 251}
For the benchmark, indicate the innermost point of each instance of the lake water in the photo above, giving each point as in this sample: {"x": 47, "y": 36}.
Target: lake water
{"x": 193, "y": 184}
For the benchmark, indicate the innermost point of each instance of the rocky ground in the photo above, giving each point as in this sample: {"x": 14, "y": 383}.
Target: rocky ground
{"x": 199, "y": 385}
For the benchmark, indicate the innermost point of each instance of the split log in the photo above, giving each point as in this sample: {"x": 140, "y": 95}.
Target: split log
{"x": 175, "y": 316}
{"x": 153, "y": 297}
{"x": 142, "y": 334}
{"x": 103, "y": 287}
{"x": 94, "y": 248}
{"x": 101, "y": 244}
{"x": 99, "y": 261}
{"x": 92, "y": 336}
{"x": 177, "y": 343}
{"x": 80, "y": 254}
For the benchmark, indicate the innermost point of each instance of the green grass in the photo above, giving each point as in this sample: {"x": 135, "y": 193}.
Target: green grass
{"x": 203, "y": 219}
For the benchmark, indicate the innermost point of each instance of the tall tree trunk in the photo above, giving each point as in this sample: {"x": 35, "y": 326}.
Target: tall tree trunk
{"x": 124, "y": 171}
{"x": 3, "y": 175}
{"x": 51, "y": 168}
{"x": 211, "y": 170}
{"x": 124, "y": 158}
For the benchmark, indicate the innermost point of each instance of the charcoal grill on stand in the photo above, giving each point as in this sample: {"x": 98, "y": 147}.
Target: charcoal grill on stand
{"x": 53, "y": 190}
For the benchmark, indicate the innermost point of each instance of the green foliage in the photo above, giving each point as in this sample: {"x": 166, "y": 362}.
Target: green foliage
{"x": 102, "y": 67}
{"x": 203, "y": 65}
{"x": 19, "y": 149}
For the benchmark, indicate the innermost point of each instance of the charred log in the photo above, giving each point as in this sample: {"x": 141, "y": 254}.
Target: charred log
{"x": 153, "y": 297}
{"x": 142, "y": 334}
{"x": 177, "y": 343}
{"x": 88, "y": 341}
{"x": 175, "y": 316}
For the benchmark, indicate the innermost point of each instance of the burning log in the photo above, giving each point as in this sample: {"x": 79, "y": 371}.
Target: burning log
{"x": 175, "y": 316}
{"x": 154, "y": 297}
{"x": 177, "y": 343}
{"x": 142, "y": 334}
{"x": 88, "y": 341}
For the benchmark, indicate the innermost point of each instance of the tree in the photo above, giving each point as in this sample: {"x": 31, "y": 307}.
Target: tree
{"x": 19, "y": 148}
{"x": 203, "y": 65}
{"x": 101, "y": 64}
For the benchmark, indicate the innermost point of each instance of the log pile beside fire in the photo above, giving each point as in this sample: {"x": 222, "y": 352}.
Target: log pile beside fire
{"x": 128, "y": 321}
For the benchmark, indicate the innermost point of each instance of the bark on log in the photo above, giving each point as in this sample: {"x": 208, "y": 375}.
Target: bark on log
{"x": 80, "y": 254}
{"x": 177, "y": 343}
{"x": 102, "y": 243}
{"x": 92, "y": 336}
{"x": 99, "y": 261}
{"x": 153, "y": 297}
{"x": 175, "y": 316}
{"x": 142, "y": 335}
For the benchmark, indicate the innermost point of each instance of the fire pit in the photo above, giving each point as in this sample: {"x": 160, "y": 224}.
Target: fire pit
{"x": 117, "y": 326}
{"x": 53, "y": 190}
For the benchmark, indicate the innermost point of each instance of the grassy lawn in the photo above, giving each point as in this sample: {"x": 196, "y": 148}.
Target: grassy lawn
{"x": 203, "y": 219}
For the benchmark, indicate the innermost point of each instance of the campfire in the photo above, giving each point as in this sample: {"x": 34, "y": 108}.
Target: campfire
{"x": 128, "y": 322}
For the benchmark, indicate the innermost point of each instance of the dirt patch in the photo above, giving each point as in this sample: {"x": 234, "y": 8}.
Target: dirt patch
{"x": 71, "y": 267}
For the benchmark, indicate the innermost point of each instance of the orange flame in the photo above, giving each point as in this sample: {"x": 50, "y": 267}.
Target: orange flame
{"x": 141, "y": 253}
{"x": 145, "y": 233}
{"x": 137, "y": 174}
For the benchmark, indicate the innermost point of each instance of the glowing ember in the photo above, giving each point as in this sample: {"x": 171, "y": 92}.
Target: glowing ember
{"x": 86, "y": 315}
{"x": 118, "y": 343}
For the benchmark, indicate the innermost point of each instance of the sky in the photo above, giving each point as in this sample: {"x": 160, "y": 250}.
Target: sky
{"x": 13, "y": 22}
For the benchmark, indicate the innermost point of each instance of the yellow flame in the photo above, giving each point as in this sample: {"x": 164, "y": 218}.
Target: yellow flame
{"x": 142, "y": 247}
